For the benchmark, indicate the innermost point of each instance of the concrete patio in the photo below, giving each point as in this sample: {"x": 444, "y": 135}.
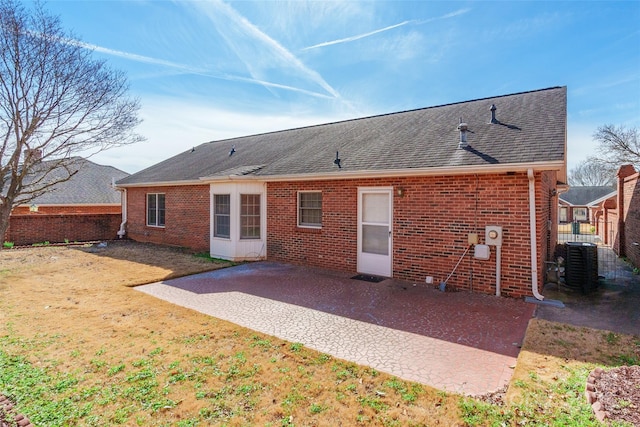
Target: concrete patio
{"x": 455, "y": 341}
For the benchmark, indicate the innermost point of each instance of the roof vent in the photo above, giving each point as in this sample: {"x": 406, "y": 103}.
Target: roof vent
{"x": 462, "y": 127}
{"x": 493, "y": 113}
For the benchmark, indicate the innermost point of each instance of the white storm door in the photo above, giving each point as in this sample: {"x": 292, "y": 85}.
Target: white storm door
{"x": 374, "y": 231}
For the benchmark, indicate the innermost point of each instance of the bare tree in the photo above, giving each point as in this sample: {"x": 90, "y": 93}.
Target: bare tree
{"x": 56, "y": 102}
{"x": 618, "y": 145}
{"x": 592, "y": 172}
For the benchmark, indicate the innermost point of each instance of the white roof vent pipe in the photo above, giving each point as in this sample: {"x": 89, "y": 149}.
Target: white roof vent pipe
{"x": 462, "y": 127}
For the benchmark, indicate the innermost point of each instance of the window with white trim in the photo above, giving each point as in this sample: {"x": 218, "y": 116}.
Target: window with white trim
{"x": 250, "y": 216}
{"x": 310, "y": 209}
{"x": 155, "y": 209}
{"x": 222, "y": 215}
{"x": 580, "y": 214}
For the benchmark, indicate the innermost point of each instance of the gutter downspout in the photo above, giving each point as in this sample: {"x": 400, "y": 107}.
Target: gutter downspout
{"x": 498, "y": 261}
{"x": 532, "y": 228}
{"x": 122, "y": 231}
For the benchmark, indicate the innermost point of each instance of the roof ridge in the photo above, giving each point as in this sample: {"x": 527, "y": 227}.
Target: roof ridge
{"x": 382, "y": 115}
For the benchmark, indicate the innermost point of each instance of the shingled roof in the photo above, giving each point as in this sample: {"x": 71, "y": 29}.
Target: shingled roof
{"x": 91, "y": 185}
{"x": 584, "y": 196}
{"x": 530, "y": 128}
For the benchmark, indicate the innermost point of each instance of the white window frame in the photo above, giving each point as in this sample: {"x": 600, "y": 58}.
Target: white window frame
{"x": 157, "y": 210}
{"x": 216, "y": 215}
{"x": 581, "y": 217}
{"x": 241, "y": 216}
{"x": 299, "y": 210}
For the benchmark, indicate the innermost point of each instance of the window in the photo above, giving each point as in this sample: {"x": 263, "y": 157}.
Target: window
{"x": 563, "y": 214}
{"x": 155, "y": 209}
{"x": 222, "y": 215}
{"x": 249, "y": 216}
{"x": 580, "y": 214}
{"x": 310, "y": 209}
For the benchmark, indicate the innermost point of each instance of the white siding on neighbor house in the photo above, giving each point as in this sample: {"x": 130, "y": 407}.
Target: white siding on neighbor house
{"x": 234, "y": 248}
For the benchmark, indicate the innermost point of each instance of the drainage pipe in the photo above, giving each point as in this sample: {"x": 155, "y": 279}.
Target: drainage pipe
{"x": 123, "y": 203}
{"x": 534, "y": 240}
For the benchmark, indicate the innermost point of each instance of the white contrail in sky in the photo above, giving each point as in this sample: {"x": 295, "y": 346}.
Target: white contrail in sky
{"x": 189, "y": 69}
{"x": 390, "y": 27}
{"x": 358, "y": 37}
{"x": 256, "y": 49}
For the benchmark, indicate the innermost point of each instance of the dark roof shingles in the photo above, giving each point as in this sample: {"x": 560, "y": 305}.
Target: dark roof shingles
{"x": 582, "y": 196}
{"x": 92, "y": 184}
{"x": 531, "y": 128}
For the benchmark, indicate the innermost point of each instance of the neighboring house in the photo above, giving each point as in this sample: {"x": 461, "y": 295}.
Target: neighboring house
{"x": 85, "y": 207}
{"x": 616, "y": 215}
{"x": 576, "y": 203}
{"x": 403, "y": 195}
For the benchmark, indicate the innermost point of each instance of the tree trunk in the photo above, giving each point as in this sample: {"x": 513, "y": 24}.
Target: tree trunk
{"x": 5, "y": 211}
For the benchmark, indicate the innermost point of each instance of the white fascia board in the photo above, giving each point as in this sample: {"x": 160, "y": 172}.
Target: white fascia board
{"x": 602, "y": 199}
{"x": 394, "y": 173}
{"x": 56, "y": 205}
{"x": 159, "y": 184}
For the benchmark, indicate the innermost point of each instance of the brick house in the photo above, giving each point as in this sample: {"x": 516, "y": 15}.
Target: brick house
{"x": 415, "y": 195}
{"x": 85, "y": 207}
{"x": 578, "y": 203}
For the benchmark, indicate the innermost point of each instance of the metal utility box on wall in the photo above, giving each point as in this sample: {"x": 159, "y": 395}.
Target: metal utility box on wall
{"x": 493, "y": 235}
{"x": 482, "y": 252}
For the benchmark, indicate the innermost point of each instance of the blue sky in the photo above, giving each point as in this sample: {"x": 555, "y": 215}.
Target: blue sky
{"x": 209, "y": 70}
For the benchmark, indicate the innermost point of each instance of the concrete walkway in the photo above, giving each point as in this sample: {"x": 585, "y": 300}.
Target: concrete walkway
{"x": 454, "y": 341}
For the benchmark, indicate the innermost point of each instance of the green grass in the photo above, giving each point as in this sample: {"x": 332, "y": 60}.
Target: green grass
{"x": 561, "y": 401}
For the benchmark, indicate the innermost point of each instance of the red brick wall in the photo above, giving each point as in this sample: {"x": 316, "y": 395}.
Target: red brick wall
{"x": 186, "y": 216}
{"x": 629, "y": 195}
{"x": 37, "y": 228}
{"x": 431, "y": 224}
{"x": 547, "y": 216}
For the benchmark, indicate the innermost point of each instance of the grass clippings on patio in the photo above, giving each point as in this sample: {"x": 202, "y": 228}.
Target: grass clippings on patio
{"x": 79, "y": 347}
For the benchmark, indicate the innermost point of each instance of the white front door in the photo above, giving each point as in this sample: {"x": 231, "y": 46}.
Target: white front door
{"x": 374, "y": 231}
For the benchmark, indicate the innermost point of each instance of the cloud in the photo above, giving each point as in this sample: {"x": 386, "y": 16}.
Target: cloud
{"x": 136, "y": 57}
{"x": 357, "y": 37}
{"x": 388, "y": 28}
{"x": 194, "y": 70}
{"x": 174, "y": 125}
{"x": 264, "y": 58}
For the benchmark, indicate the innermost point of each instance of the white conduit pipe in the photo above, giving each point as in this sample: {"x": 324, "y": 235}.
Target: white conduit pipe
{"x": 498, "y": 261}
{"x": 534, "y": 249}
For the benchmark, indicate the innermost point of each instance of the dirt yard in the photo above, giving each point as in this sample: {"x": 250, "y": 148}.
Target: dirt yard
{"x": 79, "y": 347}
{"x": 132, "y": 359}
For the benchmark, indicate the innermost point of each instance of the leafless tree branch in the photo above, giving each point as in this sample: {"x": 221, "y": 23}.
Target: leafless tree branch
{"x": 618, "y": 145}
{"x": 592, "y": 172}
{"x": 56, "y": 101}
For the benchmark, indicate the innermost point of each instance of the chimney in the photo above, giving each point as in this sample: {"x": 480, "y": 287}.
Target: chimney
{"x": 31, "y": 154}
{"x": 493, "y": 114}
{"x": 625, "y": 171}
